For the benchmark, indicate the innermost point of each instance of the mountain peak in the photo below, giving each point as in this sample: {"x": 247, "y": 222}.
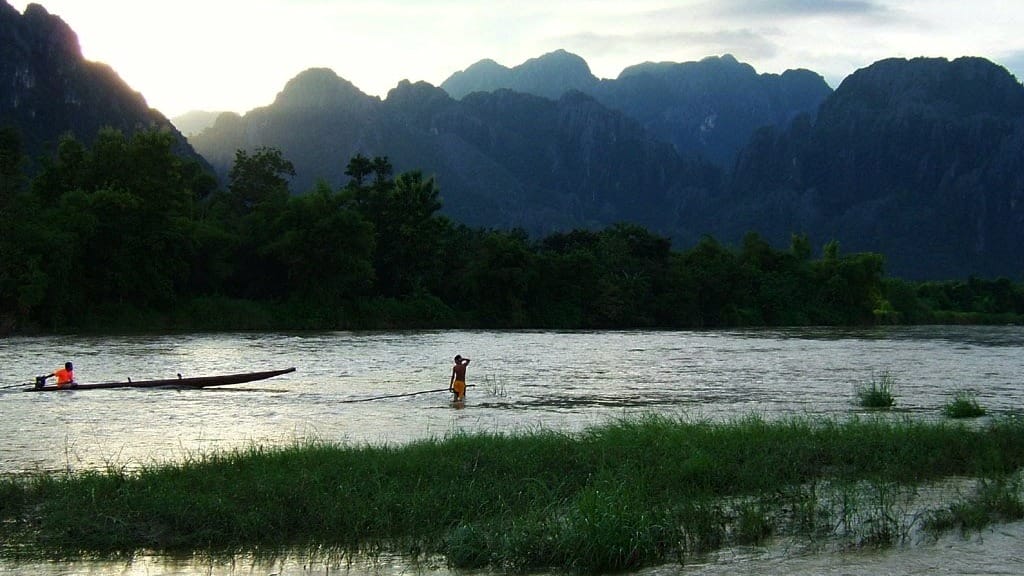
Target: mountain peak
{"x": 416, "y": 95}
{"x": 48, "y": 90}
{"x": 319, "y": 88}
{"x": 724, "y": 64}
{"x": 46, "y": 32}
{"x": 964, "y": 86}
{"x": 549, "y": 75}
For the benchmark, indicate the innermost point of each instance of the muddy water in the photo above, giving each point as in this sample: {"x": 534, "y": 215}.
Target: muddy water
{"x": 522, "y": 380}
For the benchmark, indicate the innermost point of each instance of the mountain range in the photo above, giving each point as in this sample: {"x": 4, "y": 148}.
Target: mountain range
{"x": 921, "y": 160}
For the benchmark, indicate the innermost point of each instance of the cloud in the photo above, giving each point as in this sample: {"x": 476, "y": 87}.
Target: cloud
{"x": 802, "y": 8}
{"x": 699, "y": 43}
{"x": 1014, "y": 62}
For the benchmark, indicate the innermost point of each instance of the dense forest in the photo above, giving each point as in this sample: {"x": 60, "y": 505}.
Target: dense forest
{"x": 127, "y": 235}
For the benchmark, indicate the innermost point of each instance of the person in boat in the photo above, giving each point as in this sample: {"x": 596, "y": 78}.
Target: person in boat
{"x": 65, "y": 377}
{"x": 457, "y": 386}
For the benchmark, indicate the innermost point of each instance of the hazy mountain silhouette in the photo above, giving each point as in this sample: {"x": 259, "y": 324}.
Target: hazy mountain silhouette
{"x": 195, "y": 121}
{"x": 501, "y": 159}
{"x": 710, "y": 107}
{"x": 550, "y": 76}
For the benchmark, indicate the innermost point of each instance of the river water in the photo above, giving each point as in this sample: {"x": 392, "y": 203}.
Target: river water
{"x": 521, "y": 380}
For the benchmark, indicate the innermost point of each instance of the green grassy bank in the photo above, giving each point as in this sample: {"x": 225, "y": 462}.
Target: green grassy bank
{"x": 619, "y": 496}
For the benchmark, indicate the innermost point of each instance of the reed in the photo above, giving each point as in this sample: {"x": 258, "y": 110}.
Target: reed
{"x": 963, "y": 405}
{"x": 878, "y": 392}
{"x": 627, "y": 494}
{"x": 998, "y": 499}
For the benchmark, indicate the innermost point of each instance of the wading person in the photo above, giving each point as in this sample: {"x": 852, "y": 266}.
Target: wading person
{"x": 65, "y": 377}
{"x": 458, "y": 383}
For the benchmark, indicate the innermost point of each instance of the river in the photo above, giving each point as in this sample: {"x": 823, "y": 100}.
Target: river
{"x": 521, "y": 380}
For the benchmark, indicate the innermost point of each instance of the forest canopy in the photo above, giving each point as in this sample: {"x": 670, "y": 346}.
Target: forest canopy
{"x": 125, "y": 235}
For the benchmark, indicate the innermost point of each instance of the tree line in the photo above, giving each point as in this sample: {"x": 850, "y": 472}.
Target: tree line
{"x": 124, "y": 234}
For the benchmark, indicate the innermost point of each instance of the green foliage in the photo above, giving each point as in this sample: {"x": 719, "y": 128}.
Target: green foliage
{"x": 963, "y": 405}
{"x": 128, "y": 224}
{"x": 621, "y": 496}
{"x": 878, "y": 392}
{"x": 408, "y": 232}
{"x": 259, "y": 179}
{"x": 326, "y": 248}
{"x": 498, "y": 278}
{"x": 996, "y": 499}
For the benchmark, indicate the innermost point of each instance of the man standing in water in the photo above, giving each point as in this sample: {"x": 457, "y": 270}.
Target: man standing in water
{"x": 458, "y": 383}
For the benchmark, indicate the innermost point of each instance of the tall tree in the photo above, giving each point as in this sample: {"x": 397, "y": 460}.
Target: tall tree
{"x": 358, "y": 168}
{"x": 499, "y": 273}
{"x": 408, "y": 231}
{"x": 260, "y": 178}
{"x": 257, "y": 196}
{"x": 327, "y": 248}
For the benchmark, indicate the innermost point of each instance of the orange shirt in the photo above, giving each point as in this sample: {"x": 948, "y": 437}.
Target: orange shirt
{"x": 64, "y": 376}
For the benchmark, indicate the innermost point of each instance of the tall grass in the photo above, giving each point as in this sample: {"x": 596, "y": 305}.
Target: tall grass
{"x": 616, "y": 497}
{"x": 878, "y": 392}
{"x": 994, "y": 500}
{"x": 963, "y": 405}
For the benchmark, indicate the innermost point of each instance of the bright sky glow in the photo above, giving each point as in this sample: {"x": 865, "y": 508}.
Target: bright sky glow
{"x": 237, "y": 55}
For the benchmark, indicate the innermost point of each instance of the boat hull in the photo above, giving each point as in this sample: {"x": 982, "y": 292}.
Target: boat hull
{"x": 196, "y": 382}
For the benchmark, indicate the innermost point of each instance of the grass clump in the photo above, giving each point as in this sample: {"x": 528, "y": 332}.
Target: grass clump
{"x": 963, "y": 405}
{"x": 878, "y": 392}
{"x": 617, "y": 497}
{"x": 994, "y": 500}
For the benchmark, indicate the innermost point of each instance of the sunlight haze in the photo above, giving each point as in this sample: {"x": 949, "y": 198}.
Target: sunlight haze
{"x": 237, "y": 55}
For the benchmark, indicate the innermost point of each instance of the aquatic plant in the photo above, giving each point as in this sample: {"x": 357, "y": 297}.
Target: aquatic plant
{"x": 877, "y": 392}
{"x": 617, "y": 497}
{"x": 963, "y": 405}
{"x": 996, "y": 499}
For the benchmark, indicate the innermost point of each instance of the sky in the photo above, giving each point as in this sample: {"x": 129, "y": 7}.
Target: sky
{"x": 236, "y": 55}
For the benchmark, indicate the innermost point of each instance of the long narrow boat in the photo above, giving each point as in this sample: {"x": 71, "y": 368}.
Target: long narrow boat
{"x": 179, "y": 382}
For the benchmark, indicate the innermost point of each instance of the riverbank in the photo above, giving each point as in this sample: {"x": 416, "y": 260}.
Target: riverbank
{"x": 623, "y": 495}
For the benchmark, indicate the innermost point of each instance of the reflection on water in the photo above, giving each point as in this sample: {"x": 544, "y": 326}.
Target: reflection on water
{"x": 993, "y": 551}
{"x": 523, "y": 380}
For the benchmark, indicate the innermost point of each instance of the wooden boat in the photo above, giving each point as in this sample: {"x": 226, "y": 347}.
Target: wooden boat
{"x": 179, "y": 382}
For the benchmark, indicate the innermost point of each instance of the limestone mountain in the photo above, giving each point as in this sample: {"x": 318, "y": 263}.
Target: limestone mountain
{"x": 711, "y": 107}
{"x": 550, "y": 76}
{"x": 195, "y": 121}
{"x": 502, "y": 159}
{"x": 921, "y": 160}
{"x": 47, "y": 89}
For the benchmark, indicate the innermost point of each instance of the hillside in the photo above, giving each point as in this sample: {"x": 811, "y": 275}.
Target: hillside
{"x": 708, "y": 108}
{"x": 503, "y": 159}
{"x": 47, "y": 89}
{"x": 921, "y": 160}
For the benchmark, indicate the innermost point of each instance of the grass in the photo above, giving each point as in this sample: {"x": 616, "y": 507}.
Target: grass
{"x": 963, "y": 405}
{"x": 878, "y": 392}
{"x": 629, "y": 494}
{"x": 995, "y": 500}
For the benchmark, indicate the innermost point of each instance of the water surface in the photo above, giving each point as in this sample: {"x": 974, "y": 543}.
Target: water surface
{"x": 522, "y": 380}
